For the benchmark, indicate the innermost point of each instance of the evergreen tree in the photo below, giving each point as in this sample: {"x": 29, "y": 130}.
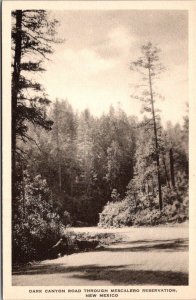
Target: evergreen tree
{"x": 32, "y": 37}
{"x": 149, "y": 67}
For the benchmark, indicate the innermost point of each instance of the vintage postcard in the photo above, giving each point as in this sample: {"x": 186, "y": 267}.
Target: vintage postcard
{"x": 99, "y": 150}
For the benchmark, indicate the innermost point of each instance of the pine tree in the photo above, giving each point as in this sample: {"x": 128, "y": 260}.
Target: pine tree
{"x": 32, "y": 37}
{"x": 149, "y": 67}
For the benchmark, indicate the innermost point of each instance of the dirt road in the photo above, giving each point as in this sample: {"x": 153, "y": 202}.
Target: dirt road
{"x": 145, "y": 256}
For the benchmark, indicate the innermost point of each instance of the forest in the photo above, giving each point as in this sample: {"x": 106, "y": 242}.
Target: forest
{"x": 72, "y": 168}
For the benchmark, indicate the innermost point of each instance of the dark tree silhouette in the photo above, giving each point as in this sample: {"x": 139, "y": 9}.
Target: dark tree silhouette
{"x": 32, "y": 37}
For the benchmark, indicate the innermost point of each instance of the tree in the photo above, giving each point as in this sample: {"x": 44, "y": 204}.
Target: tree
{"x": 120, "y": 151}
{"x": 62, "y": 151}
{"x": 54, "y": 154}
{"x": 144, "y": 169}
{"x": 84, "y": 150}
{"x": 32, "y": 37}
{"x": 177, "y": 145}
{"x": 149, "y": 67}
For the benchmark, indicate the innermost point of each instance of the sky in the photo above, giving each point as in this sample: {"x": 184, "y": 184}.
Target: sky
{"x": 91, "y": 67}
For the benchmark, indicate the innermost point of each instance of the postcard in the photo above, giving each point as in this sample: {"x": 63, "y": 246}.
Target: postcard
{"x": 99, "y": 165}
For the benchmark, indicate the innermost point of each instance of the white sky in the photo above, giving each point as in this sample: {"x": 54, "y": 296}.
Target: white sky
{"x": 91, "y": 68}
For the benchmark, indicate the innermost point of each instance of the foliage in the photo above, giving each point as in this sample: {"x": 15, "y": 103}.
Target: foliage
{"x": 144, "y": 210}
{"x": 80, "y": 153}
{"x": 36, "y": 226}
{"x": 149, "y": 68}
{"x": 73, "y": 242}
{"x": 33, "y": 34}
{"x": 116, "y": 214}
{"x": 103, "y": 238}
{"x": 84, "y": 159}
{"x": 111, "y": 169}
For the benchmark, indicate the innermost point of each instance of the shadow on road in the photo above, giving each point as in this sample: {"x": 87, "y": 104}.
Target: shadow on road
{"x": 121, "y": 274}
{"x": 150, "y": 245}
{"x": 116, "y": 275}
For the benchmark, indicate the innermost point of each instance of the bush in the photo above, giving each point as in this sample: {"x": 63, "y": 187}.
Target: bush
{"x": 116, "y": 214}
{"x": 33, "y": 236}
{"x": 147, "y": 217}
{"x": 35, "y": 226}
{"x": 144, "y": 211}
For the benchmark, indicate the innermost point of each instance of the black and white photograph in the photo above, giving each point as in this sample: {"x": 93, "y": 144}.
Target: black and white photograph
{"x": 99, "y": 150}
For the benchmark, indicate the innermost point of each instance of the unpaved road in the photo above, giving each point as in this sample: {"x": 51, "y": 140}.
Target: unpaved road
{"x": 145, "y": 256}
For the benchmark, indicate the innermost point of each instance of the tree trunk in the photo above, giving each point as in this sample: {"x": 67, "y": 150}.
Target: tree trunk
{"x": 156, "y": 140}
{"x": 58, "y": 148}
{"x": 23, "y": 191}
{"x": 166, "y": 173}
{"x": 60, "y": 180}
{"x": 172, "y": 168}
{"x": 15, "y": 91}
{"x": 153, "y": 192}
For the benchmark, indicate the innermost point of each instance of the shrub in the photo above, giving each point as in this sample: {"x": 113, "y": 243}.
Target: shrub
{"x": 33, "y": 236}
{"x": 35, "y": 226}
{"x": 144, "y": 211}
{"x": 116, "y": 214}
{"x": 147, "y": 217}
